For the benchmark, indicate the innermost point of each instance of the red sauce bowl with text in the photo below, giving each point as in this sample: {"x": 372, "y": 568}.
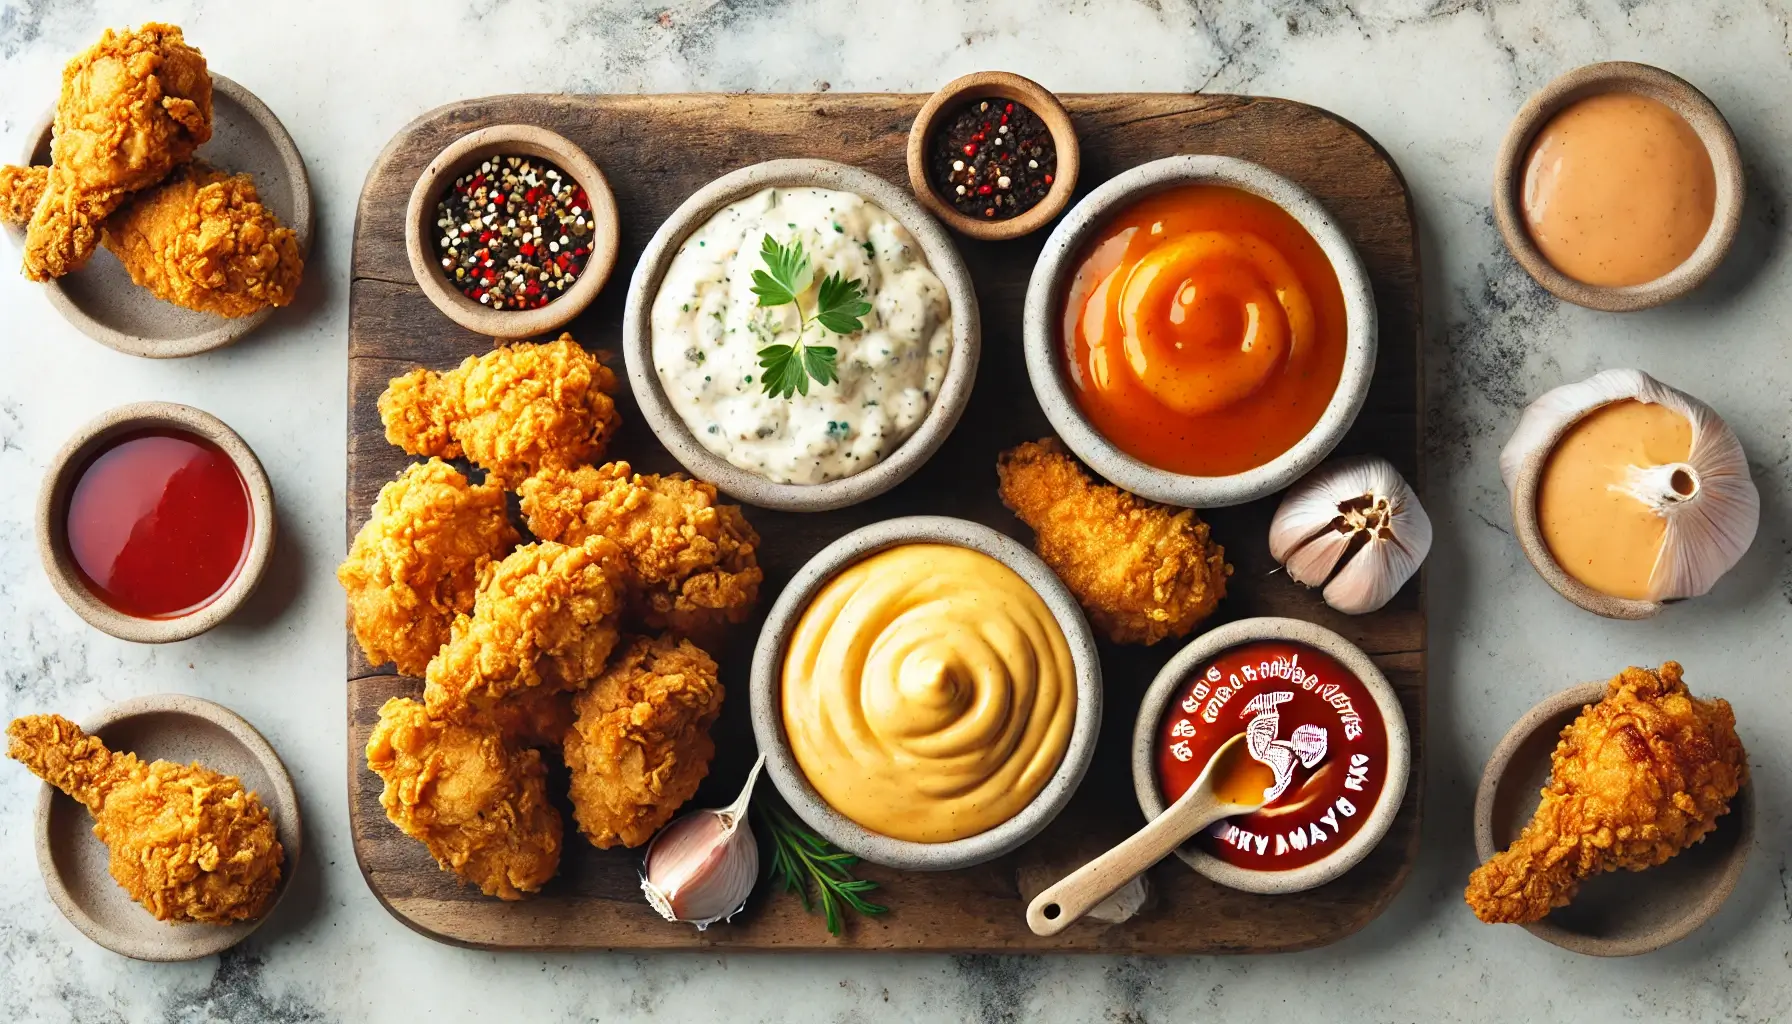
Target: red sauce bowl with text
{"x": 1316, "y": 714}
{"x": 155, "y": 522}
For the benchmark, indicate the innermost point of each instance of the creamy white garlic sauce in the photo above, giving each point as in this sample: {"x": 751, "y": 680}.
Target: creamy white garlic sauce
{"x": 708, "y": 329}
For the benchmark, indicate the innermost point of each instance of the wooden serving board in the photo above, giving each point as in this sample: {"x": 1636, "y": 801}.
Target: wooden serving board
{"x": 657, "y": 150}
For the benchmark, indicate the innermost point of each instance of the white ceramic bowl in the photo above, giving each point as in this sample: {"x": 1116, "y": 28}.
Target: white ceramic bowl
{"x": 768, "y": 717}
{"x": 1042, "y": 324}
{"x": 670, "y": 428}
{"x": 1209, "y": 645}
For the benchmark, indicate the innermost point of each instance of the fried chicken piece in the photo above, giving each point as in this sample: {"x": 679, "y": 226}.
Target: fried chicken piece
{"x": 514, "y": 411}
{"x": 134, "y": 107}
{"x": 1638, "y": 777}
{"x": 20, "y": 190}
{"x": 544, "y": 617}
{"x": 641, "y": 744}
{"x": 479, "y": 804}
{"x": 187, "y": 843}
{"x": 693, "y": 563}
{"x": 416, "y": 564}
{"x": 1142, "y": 571}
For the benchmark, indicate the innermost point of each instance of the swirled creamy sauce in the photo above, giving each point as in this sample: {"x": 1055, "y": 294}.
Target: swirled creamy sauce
{"x": 708, "y": 330}
{"x": 928, "y": 693}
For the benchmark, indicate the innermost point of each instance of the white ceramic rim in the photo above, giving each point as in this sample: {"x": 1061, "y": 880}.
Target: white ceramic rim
{"x": 670, "y": 428}
{"x": 1211, "y": 644}
{"x": 286, "y": 827}
{"x": 1043, "y": 344}
{"x": 768, "y": 718}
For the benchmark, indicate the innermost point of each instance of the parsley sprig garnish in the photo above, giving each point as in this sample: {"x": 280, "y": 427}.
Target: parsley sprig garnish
{"x": 801, "y": 861}
{"x": 839, "y": 303}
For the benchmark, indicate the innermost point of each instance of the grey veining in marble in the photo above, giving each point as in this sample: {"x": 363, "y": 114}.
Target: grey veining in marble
{"x": 1433, "y": 80}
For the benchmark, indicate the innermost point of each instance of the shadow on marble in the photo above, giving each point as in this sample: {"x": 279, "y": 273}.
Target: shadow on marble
{"x": 1757, "y": 238}
{"x": 284, "y": 581}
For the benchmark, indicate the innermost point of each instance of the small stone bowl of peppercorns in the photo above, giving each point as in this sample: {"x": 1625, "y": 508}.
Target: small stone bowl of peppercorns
{"x": 512, "y": 231}
{"x": 994, "y": 155}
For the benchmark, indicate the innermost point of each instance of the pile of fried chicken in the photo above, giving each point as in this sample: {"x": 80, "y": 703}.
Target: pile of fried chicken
{"x": 1637, "y": 778}
{"x": 522, "y": 646}
{"x": 187, "y": 843}
{"x": 134, "y": 107}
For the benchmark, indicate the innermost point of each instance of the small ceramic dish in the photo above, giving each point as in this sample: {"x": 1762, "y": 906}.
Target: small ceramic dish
{"x": 1620, "y": 913}
{"x": 670, "y": 428}
{"x": 1043, "y": 328}
{"x": 101, "y": 300}
{"x": 768, "y": 719}
{"x": 52, "y": 521}
{"x": 1155, "y": 706}
{"x": 989, "y": 85}
{"x": 466, "y": 153}
{"x": 1679, "y": 96}
{"x": 74, "y": 862}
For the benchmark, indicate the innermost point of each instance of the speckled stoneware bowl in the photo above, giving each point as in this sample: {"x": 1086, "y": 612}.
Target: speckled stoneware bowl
{"x": 101, "y": 301}
{"x": 1676, "y": 94}
{"x": 1043, "y": 326}
{"x": 464, "y": 154}
{"x": 1621, "y": 913}
{"x": 1527, "y": 526}
{"x": 74, "y": 862}
{"x": 768, "y": 719}
{"x": 670, "y": 428}
{"x": 52, "y": 521}
{"x": 1210, "y": 644}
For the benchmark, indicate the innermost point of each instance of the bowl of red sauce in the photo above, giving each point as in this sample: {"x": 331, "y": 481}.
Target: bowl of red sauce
{"x": 155, "y": 522}
{"x": 1200, "y": 331}
{"x": 1326, "y": 739}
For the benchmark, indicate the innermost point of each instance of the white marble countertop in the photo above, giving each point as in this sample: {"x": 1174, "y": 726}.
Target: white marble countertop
{"x": 1434, "y": 80}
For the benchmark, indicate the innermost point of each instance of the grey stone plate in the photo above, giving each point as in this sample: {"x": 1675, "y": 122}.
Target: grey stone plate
{"x": 168, "y": 727}
{"x": 101, "y": 300}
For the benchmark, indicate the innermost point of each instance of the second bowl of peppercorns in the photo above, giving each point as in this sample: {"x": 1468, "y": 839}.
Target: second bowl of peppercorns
{"x": 994, "y": 155}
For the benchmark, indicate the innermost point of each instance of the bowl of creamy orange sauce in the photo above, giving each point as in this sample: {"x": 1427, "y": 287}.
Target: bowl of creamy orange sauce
{"x": 1619, "y": 187}
{"x": 927, "y": 694}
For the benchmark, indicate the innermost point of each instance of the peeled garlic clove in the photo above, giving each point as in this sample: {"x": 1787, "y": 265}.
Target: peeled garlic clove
{"x": 1125, "y": 903}
{"x": 1356, "y": 528}
{"x": 1710, "y": 502}
{"x": 701, "y": 868}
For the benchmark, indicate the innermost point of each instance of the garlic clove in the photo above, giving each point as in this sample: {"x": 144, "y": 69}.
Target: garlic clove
{"x": 1354, "y": 527}
{"x": 701, "y": 868}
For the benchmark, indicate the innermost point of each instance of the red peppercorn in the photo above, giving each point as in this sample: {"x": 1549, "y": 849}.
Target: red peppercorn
{"x": 970, "y": 149}
{"x": 984, "y": 190}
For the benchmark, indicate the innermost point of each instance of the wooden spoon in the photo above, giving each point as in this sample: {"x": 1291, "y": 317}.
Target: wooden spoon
{"x": 1226, "y": 787}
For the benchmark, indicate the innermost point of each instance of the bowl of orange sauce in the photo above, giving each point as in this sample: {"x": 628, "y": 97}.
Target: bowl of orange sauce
{"x": 1200, "y": 331}
{"x": 1325, "y": 741}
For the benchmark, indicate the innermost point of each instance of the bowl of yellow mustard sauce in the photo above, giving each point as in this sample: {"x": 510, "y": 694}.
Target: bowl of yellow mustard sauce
{"x": 927, "y": 694}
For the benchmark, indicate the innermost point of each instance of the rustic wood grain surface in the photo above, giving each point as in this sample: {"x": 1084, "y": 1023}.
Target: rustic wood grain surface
{"x": 656, "y": 150}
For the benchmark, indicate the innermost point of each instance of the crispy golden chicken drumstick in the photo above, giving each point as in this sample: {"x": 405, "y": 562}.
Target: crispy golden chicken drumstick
{"x": 693, "y": 563}
{"x": 1141, "y": 570}
{"x": 134, "y": 106}
{"x": 513, "y": 411}
{"x": 1638, "y": 777}
{"x": 479, "y": 804}
{"x": 417, "y": 562}
{"x": 641, "y": 744}
{"x": 544, "y": 617}
{"x": 201, "y": 239}
{"x": 187, "y": 843}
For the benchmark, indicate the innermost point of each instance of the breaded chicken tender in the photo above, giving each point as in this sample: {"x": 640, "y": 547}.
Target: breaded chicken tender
{"x": 1638, "y": 777}
{"x": 1142, "y": 571}
{"x": 544, "y": 617}
{"x": 693, "y": 563}
{"x": 514, "y": 411}
{"x": 134, "y": 106}
{"x": 641, "y": 744}
{"x": 416, "y": 564}
{"x": 479, "y": 804}
{"x": 187, "y": 843}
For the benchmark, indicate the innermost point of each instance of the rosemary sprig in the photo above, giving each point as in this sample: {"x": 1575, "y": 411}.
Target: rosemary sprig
{"x": 801, "y": 860}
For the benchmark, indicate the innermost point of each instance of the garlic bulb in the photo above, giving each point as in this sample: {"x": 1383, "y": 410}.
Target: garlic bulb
{"x": 1709, "y": 501}
{"x": 701, "y": 868}
{"x": 1356, "y": 528}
